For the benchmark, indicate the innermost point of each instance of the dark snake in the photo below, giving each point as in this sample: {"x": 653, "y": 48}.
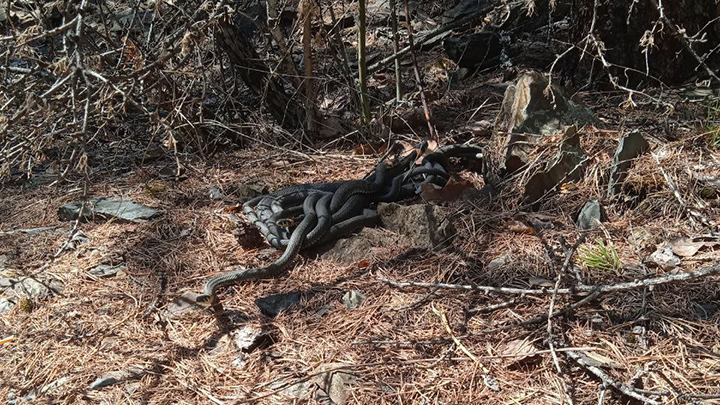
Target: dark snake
{"x": 332, "y": 210}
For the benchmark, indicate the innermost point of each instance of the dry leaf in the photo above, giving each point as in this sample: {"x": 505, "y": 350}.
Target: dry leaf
{"x": 451, "y": 192}
{"x": 685, "y": 247}
{"x": 598, "y": 360}
{"x": 567, "y": 188}
{"x": 363, "y": 264}
{"x": 431, "y": 147}
{"x": 519, "y": 227}
{"x": 370, "y": 148}
{"x": 522, "y": 351}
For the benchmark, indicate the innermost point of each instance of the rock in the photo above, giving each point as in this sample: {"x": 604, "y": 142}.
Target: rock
{"x": 568, "y": 165}
{"x": 630, "y": 147}
{"x": 664, "y": 258}
{"x": 77, "y": 239}
{"x": 685, "y": 247}
{"x": 496, "y": 263}
{"x": 272, "y": 305}
{"x": 5, "y": 305}
{"x": 32, "y": 288}
{"x": 215, "y": 194}
{"x": 30, "y": 231}
{"x": 475, "y": 51}
{"x": 420, "y": 225}
{"x": 244, "y": 191}
{"x": 352, "y": 299}
{"x": 331, "y": 384}
{"x": 246, "y": 337}
{"x": 114, "y": 377}
{"x": 527, "y": 115}
{"x": 183, "y": 304}
{"x": 106, "y": 270}
{"x": 107, "y": 207}
{"x": 591, "y": 215}
{"x": 358, "y": 247}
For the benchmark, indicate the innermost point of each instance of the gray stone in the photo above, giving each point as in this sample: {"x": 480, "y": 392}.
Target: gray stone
{"x": 32, "y": 287}
{"x": 496, "y": 263}
{"x": 331, "y": 384}
{"x": 421, "y": 225}
{"x": 7, "y": 281}
{"x": 107, "y": 207}
{"x": 183, "y": 304}
{"x": 114, "y": 377}
{"x": 568, "y": 165}
{"x": 664, "y": 258}
{"x": 530, "y": 113}
{"x": 272, "y": 305}
{"x": 591, "y": 215}
{"x": 246, "y": 336}
{"x": 107, "y": 270}
{"x": 5, "y": 305}
{"x": 215, "y": 194}
{"x": 359, "y": 246}
{"x": 35, "y": 231}
{"x": 353, "y": 299}
{"x": 630, "y": 147}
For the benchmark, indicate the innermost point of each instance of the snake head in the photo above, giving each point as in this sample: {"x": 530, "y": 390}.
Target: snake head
{"x": 205, "y": 300}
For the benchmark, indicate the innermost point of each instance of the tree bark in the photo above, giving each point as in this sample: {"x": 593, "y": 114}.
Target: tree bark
{"x": 624, "y": 26}
{"x": 256, "y": 76}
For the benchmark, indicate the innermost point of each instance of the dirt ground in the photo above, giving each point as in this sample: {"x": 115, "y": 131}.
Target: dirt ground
{"x": 402, "y": 345}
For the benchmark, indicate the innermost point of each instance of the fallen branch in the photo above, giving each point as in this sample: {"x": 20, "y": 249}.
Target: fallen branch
{"x": 580, "y": 289}
{"x": 581, "y": 359}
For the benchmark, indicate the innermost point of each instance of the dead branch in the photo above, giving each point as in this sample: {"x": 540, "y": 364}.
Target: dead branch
{"x": 581, "y": 359}
{"x": 602, "y": 289}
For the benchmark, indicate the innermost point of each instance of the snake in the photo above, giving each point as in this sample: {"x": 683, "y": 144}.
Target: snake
{"x": 235, "y": 276}
{"x": 325, "y": 212}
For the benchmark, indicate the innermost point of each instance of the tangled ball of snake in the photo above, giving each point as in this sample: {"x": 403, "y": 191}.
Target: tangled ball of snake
{"x": 305, "y": 215}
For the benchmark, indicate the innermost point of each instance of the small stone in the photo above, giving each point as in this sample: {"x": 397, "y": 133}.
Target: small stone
{"x": 183, "y": 304}
{"x": 32, "y": 288}
{"x": 591, "y": 215}
{"x": 106, "y": 270}
{"x": 107, "y": 207}
{"x": 5, "y": 305}
{"x": 664, "y": 258}
{"x": 352, "y": 299}
{"x": 103, "y": 381}
{"x": 496, "y": 263}
{"x": 272, "y": 305}
{"x": 114, "y": 377}
{"x": 629, "y": 148}
{"x": 246, "y": 337}
{"x": 215, "y": 194}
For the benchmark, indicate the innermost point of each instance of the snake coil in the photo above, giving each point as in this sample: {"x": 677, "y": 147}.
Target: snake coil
{"x": 327, "y": 211}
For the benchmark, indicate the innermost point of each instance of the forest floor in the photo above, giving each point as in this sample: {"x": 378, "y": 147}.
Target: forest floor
{"x": 505, "y": 327}
{"x": 400, "y": 346}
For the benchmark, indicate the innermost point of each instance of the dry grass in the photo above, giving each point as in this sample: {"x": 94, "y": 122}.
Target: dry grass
{"x": 394, "y": 345}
